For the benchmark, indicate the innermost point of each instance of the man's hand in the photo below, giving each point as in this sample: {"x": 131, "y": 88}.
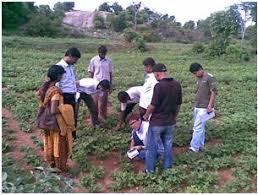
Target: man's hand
{"x": 146, "y": 117}
{"x": 209, "y": 108}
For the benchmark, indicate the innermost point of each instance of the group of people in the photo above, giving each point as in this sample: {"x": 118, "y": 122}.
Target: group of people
{"x": 159, "y": 99}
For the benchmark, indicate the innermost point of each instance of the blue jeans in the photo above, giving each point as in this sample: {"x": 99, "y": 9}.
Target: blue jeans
{"x": 198, "y": 137}
{"x": 159, "y": 135}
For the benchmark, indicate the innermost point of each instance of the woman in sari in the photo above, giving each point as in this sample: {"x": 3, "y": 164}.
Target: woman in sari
{"x": 58, "y": 141}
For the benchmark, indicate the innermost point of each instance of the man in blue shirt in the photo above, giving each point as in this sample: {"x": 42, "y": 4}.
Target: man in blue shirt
{"x": 68, "y": 83}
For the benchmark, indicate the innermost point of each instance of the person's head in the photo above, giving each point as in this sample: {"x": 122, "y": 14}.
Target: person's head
{"x": 55, "y": 73}
{"x": 104, "y": 85}
{"x": 72, "y": 55}
{"x": 148, "y": 64}
{"x": 196, "y": 69}
{"x": 102, "y": 50}
{"x": 123, "y": 97}
{"x": 160, "y": 71}
{"x": 135, "y": 122}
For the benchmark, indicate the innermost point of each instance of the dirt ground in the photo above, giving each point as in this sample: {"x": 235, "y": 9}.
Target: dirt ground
{"x": 110, "y": 163}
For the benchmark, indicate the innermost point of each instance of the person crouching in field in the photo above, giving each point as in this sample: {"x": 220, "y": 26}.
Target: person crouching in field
{"x": 58, "y": 141}
{"x": 139, "y": 136}
{"x": 101, "y": 68}
{"x": 85, "y": 89}
{"x": 164, "y": 107}
{"x": 204, "y": 104}
{"x": 128, "y": 100}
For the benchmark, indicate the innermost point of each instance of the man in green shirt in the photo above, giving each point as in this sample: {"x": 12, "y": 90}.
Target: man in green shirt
{"x": 204, "y": 105}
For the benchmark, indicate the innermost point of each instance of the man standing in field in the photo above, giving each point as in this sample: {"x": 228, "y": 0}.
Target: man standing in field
{"x": 163, "y": 110}
{"x": 68, "y": 82}
{"x": 147, "y": 89}
{"x": 204, "y": 104}
{"x": 101, "y": 68}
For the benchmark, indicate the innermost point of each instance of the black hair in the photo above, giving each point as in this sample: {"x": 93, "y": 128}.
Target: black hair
{"x": 149, "y": 62}
{"x": 105, "y": 84}
{"x": 123, "y": 96}
{"x": 54, "y": 72}
{"x": 102, "y": 49}
{"x": 195, "y": 67}
{"x": 74, "y": 52}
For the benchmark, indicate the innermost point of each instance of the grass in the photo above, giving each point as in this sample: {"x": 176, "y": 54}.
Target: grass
{"x": 25, "y": 62}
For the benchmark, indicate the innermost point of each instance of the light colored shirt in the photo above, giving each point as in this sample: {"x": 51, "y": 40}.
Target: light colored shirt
{"x": 147, "y": 90}
{"x": 88, "y": 85}
{"x": 68, "y": 83}
{"x": 101, "y": 68}
{"x": 134, "y": 94}
{"x": 142, "y": 132}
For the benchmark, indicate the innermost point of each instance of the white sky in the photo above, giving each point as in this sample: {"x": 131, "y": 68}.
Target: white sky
{"x": 183, "y": 10}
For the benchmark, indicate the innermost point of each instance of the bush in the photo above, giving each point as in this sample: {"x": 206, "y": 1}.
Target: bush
{"x": 151, "y": 37}
{"x": 140, "y": 44}
{"x": 198, "y": 48}
{"x": 42, "y": 26}
{"x": 99, "y": 22}
{"x": 130, "y": 34}
{"x": 216, "y": 48}
{"x": 234, "y": 53}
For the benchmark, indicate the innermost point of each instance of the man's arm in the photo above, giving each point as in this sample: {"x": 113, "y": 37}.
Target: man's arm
{"x": 177, "y": 109}
{"x": 111, "y": 87}
{"x": 211, "y": 102}
{"x": 149, "y": 111}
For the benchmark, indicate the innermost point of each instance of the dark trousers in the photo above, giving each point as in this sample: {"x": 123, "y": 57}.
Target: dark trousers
{"x": 91, "y": 106}
{"x": 70, "y": 99}
{"x": 128, "y": 110}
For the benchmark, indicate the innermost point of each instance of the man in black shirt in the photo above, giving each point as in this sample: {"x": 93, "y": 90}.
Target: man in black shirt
{"x": 162, "y": 112}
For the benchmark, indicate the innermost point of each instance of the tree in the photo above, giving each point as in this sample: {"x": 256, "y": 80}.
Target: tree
{"x": 105, "y": 7}
{"x": 117, "y": 22}
{"x": 116, "y": 8}
{"x": 16, "y": 14}
{"x": 222, "y": 24}
{"x": 59, "y": 10}
{"x": 133, "y": 10}
{"x": 99, "y": 22}
{"x": 68, "y": 6}
{"x": 189, "y": 25}
{"x": 249, "y": 14}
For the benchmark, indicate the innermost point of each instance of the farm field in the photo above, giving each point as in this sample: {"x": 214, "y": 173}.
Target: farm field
{"x": 98, "y": 164}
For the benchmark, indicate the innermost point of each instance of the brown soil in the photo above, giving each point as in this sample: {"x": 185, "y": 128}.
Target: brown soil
{"x": 23, "y": 139}
{"x": 225, "y": 175}
{"x": 110, "y": 163}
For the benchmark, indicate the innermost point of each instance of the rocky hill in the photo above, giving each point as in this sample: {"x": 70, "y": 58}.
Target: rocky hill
{"x": 81, "y": 19}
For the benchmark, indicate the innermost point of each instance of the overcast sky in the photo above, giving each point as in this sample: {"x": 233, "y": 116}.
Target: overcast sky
{"x": 183, "y": 10}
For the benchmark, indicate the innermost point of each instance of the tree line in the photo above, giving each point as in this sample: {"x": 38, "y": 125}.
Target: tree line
{"x": 140, "y": 24}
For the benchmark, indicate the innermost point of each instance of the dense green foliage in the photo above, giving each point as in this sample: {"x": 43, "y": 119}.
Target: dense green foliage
{"x": 25, "y": 62}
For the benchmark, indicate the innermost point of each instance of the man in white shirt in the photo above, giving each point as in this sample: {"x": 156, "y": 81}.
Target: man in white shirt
{"x": 139, "y": 137}
{"x": 68, "y": 82}
{"x": 148, "y": 86}
{"x": 128, "y": 100}
{"x": 85, "y": 89}
{"x": 101, "y": 68}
